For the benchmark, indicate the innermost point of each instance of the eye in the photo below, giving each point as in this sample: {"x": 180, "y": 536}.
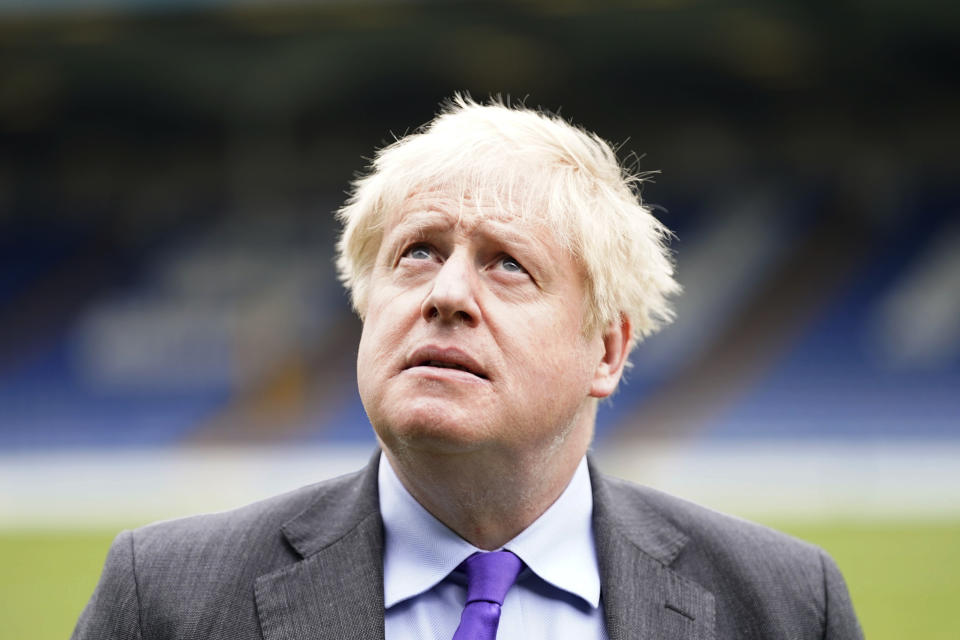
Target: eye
{"x": 418, "y": 252}
{"x": 510, "y": 264}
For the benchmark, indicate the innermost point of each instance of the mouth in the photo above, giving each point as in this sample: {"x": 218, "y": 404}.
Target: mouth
{"x": 445, "y": 358}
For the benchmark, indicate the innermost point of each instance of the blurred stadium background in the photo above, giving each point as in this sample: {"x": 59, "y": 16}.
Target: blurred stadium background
{"x": 173, "y": 338}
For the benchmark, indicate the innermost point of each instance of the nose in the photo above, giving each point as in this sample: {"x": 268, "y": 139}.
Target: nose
{"x": 452, "y": 295}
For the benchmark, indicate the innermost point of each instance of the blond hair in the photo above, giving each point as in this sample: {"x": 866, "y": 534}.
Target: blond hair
{"x": 551, "y": 173}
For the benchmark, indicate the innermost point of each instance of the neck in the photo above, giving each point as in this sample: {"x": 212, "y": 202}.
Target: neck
{"x": 487, "y": 499}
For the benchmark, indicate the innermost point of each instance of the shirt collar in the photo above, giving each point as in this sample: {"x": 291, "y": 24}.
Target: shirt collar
{"x": 420, "y": 551}
{"x": 559, "y": 545}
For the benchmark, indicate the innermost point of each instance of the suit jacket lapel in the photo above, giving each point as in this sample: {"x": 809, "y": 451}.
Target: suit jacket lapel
{"x": 336, "y": 591}
{"x": 642, "y": 596}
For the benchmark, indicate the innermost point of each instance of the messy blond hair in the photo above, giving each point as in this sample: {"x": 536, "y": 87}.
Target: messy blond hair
{"x": 544, "y": 170}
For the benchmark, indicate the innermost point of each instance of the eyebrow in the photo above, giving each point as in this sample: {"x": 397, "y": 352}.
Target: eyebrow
{"x": 424, "y": 219}
{"x": 433, "y": 219}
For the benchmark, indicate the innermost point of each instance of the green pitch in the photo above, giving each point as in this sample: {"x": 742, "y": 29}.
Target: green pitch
{"x": 45, "y": 579}
{"x": 904, "y": 577}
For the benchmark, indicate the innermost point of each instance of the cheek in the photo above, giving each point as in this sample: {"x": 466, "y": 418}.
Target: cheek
{"x": 388, "y": 317}
{"x": 377, "y": 342}
{"x": 565, "y": 359}
{"x": 549, "y": 361}
{"x": 373, "y": 342}
{"x": 383, "y": 342}
{"x": 366, "y": 370}
{"x": 560, "y": 339}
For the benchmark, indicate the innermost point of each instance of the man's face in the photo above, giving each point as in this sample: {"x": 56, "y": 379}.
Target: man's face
{"x": 473, "y": 336}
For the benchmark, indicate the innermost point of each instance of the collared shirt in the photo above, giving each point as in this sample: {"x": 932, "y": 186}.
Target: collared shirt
{"x": 557, "y": 595}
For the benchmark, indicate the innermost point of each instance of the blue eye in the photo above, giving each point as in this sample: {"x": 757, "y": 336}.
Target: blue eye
{"x": 418, "y": 252}
{"x": 509, "y": 264}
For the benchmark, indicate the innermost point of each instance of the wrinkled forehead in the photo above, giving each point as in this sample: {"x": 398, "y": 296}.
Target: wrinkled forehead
{"x": 470, "y": 210}
{"x": 463, "y": 208}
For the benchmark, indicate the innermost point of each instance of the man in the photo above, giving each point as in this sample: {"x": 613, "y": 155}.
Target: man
{"x": 503, "y": 267}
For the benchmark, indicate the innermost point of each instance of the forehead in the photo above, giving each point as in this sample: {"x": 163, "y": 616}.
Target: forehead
{"x": 440, "y": 210}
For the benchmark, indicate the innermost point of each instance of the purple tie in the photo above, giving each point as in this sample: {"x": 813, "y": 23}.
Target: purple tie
{"x": 489, "y": 576}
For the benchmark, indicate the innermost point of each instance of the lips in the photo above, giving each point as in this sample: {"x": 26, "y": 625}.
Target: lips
{"x": 445, "y": 358}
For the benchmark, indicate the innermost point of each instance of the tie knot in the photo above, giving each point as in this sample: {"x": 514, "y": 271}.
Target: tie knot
{"x": 490, "y": 575}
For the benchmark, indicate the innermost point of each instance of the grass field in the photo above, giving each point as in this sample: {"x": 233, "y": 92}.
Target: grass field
{"x": 904, "y": 577}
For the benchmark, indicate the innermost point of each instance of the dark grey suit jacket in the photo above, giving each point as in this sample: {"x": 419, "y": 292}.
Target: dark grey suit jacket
{"x": 308, "y": 565}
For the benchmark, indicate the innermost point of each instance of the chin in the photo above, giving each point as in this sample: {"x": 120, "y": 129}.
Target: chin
{"x": 431, "y": 433}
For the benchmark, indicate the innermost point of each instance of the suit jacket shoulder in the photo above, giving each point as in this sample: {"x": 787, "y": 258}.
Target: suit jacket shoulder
{"x": 745, "y": 580}
{"x": 198, "y": 577}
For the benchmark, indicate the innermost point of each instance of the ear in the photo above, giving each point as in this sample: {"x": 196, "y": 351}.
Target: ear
{"x": 616, "y": 338}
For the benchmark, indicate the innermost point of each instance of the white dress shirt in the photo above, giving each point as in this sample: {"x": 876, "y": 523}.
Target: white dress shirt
{"x": 557, "y": 595}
